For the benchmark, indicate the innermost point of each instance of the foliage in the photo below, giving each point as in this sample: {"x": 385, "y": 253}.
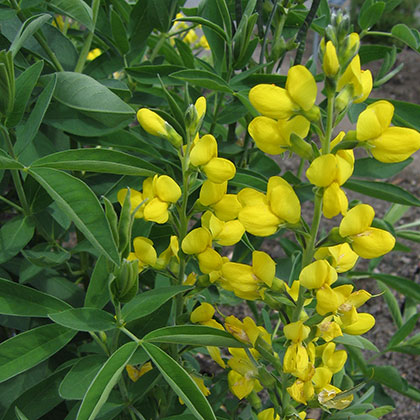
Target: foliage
{"x": 128, "y": 249}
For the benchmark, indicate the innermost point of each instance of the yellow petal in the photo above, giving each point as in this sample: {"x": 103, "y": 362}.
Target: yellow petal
{"x": 202, "y": 313}
{"x": 301, "y": 86}
{"x": 259, "y": 220}
{"x": 345, "y": 165}
{"x": 343, "y": 257}
{"x": 267, "y": 136}
{"x": 156, "y": 211}
{"x": 330, "y": 63}
{"x": 136, "y": 198}
{"x": 231, "y": 233}
{"x": 363, "y": 324}
{"x": 152, "y": 123}
{"x": 322, "y": 171}
{"x": 144, "y": 251}
{"x": 209, "y": 260}
{"x": 211, "y": 192}
{"x": 283, "y": 201}
{"x": 327, "y": 300}
{"x": 322, "y": 377}
{"x": 251, "y": 197}
{"x": 239, "y": 385}
{"x": 395, "y": 144}
{"x": 263, "y": 267}
{"x": 366, "y": 84}
{"x": 196, "y": 241}
{"x": 227, "y": 208}
{"x": 373, "y": 243}
{"x": 334, "y": 201}
{"x": 219, "y": 170}
{"x": 296, "y": 331}
{"x": 200, "y": 106}
{"x": 167, "y": 189}
{"x": 272, "y": 101}
{"x": 317, "y": 274}
{"x": 216, "y": 355}
{"x": 298, "y": 125}
{"x": 373, "y": 121}
{"x": 204, "y": 150}
{"x": 357, "y": 220}
{"x": 268, "y": 414}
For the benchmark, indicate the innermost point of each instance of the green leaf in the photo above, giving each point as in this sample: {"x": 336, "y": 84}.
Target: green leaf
{"x": 207, "y": 23}
{"x": 181, "y": 382}
{"x": 98, "y": 160}
{"x": 76, "y": 9}
{"x": 81, "y": 205}
{"x": 97, "y": 294}
{"x": 20, "y": 415}
{"x": 147, "y": 302}
{"x": 381, "y": 411}
{"x": 371, "y": 168}
{"x": 119, "y": 33}
{"x": 82, "y": 92}
{"x": 84, "y": 319}
{"x": 104, "y": 381}
{"x": 194, "y": 335}
{"x": 25, "y": 84}
{"x": 14, "y": 235}
{"x": 356, "y": 341}
{"x": 203, "y": 78}
{"x": 383, "y": 191}
{"x": 393, "y": 306}
{"x": 224, "y": 12}
{"x": 246, "y": 178}
{"x": 82, "y": 374}
{"x": 27, "y": 349}
{"x": 160, "y": 13}
{"x": 19, "y": 300}
{"x": 401, "y": 284}
{"x": 38, "y": 400}
{"x": 406, "y": 35}
{"x": 28, "y": 28}
{"x": 403, "y": 332}
{"x": 389, "y": 376}
{"x": 31, "y": 127}
{"x": 9, "y": 163}
{"x": 371, "y": 15}
{"x": 411, "y": 235}
{"x": 46, "y": 258}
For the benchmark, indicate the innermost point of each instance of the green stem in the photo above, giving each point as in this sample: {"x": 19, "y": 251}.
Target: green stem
{"x": 130, "y": 334}
{"x": 100, "y": 343}
{"x": 39, "y": 37}
{"x": 330, "y": 121}
{"x": 310, "y": 247}
{"x": 375, "y": 33}
{"x": 15, "y": 174}
{"x": 11, "y": 203}
{"x": 158, "y": 46}
{"x": 277, "y": 34}
{"x": 217, "y": 103}
{"x": 88, "y": 42}
{"x": 300, "y": 169}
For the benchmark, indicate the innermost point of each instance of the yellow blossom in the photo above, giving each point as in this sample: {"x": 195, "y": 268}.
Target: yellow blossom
{"x": 317, "y": 274}
{"x": 388, "y": 144}
{"x": 268, "y": 414}
{"x": 144, "y": 252}
{"x": 135, "y": 373}
{"x": 342, "y": 257}
{"x": 275, "y": 102}
{"x": 366, "y": 241}
{"x": 330, "y": 63}
{"x": 202, "y": 313}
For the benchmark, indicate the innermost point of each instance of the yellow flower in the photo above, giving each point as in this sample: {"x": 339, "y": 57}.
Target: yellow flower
{"x": 273, "y": 136}
{"x": 144, "y": 252}
{"x": 224, "y": 233}
{"x": 330, "y": 63}
{"x": 96, "y": 52}
{"x": 203, "y": 150}
{"x": 227, "y": 208}
{"x": 202, "y": 313}
{"x": 296, "y": 359}
{"x": 275, "y": 102}
{"x": 135, "y": 374}
{"x": 317, "y": 274}
{"x": 168, "y": 253}
{"x": 333, "y": 360}
{"x": 136, "y": 198}
{"x": 268, "y": 414}
{"x": 196, "y": 241}
{"x": 210, "y": 261}
{"x": 211, "y": 193}
{"x": 328, "y": 329}
{"x": 342, "y": 257}
{"x": 242, "y": 386}
{"x": 366, "y": 241}
{"x": 155, "y": 125}
{"x": 204, "y": 43}
{"x": 359, "y": 80}
{"x": 388, "y": 144}
{"x": 296, "y": 331}
{"x": 331, "y": 171}
{"x": 301, "y": 391}
{"x": 328, "y": 398}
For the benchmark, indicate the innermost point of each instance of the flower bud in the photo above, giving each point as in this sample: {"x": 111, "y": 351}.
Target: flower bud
{"x": 330, "y": 64}
{"x": 124, "y": 285}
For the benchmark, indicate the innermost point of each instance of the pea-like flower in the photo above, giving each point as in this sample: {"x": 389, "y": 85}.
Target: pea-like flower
{"x": 330, "y": 172}
{"x": 330, "y": 63}
{"x": 275, "y": 102}
{"x": 273, "y": 136}
{"x": 366, "y": 241}
{"x": 262, "y": 214}
{"x": 387, "y": 144}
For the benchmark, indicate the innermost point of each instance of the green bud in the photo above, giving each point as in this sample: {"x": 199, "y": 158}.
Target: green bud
{"x": 300, "y": 147}
{"x": 344, "y": 98}
{"x": 112, "y": 218}
{"x": 267, "y": 380}
{"x": 124, "y": 226}
{"x": 124, "y": 284}
{"x": 191, "y": 119}
{"x": 254, "y": 400}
